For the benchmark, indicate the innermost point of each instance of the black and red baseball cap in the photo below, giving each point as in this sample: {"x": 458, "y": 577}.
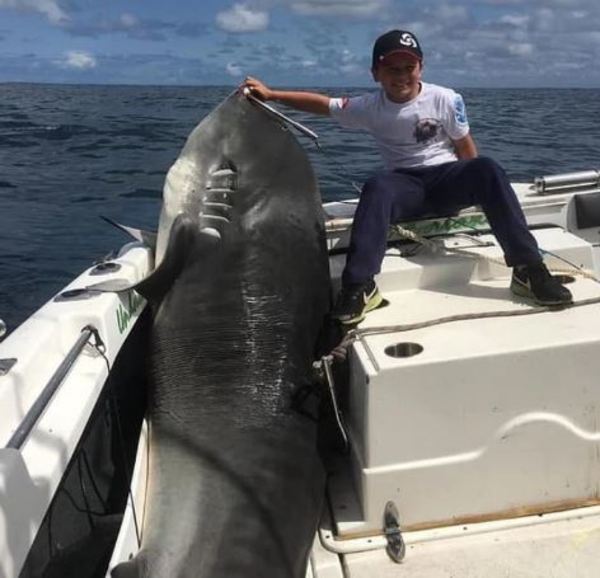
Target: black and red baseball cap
{"x": 394, "y": 42}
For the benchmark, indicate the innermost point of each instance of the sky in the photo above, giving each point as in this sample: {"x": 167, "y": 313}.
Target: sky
{"x": 297, "y": 43}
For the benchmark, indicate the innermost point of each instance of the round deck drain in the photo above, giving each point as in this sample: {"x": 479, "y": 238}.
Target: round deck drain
{"x": 405, "y": 349}
{"x": 106, "y": 267}
{"x": 75, "y": 295}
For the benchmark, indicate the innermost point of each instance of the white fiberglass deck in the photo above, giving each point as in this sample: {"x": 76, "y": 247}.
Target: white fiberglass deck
{"x": 561, "y": 545}
{"x": 495, "y": 417}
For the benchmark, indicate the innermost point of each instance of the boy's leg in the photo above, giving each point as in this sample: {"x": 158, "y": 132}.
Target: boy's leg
{"x": 481, "y": 181}
{"x": 386, "y": 197}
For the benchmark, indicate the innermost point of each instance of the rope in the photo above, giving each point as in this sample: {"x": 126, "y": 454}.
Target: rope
{"x": 339, "y": 166}
{"x": 382, "y": 329}
{"x": 439, "y": 247}
{"x": 327, "y": 361}
{"x": 100, "y": 347}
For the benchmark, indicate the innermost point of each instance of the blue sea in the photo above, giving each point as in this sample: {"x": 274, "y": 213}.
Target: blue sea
{"x": 69, "y": 154}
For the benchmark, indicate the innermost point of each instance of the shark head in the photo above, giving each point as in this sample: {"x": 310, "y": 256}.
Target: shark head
{"x": 228, "y": 175}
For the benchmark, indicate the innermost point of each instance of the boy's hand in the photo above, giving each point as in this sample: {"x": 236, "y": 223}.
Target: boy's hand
{"x": 300, "y": 100}
{"x": 257, "y": 88}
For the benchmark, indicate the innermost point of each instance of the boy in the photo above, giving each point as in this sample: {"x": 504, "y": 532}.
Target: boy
{"x": 432, "y": 164}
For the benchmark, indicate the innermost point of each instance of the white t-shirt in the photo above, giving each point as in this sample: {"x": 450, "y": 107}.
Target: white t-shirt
{"x": 410, "y": 134}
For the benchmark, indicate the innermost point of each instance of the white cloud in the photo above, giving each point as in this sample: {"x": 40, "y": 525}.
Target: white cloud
{"x": 452, "y": 14}
{"x": 349, "y": 63}
{"x": 241, "y": 18}
{"x": 50, "y": 8}
{"x": 128, "y": 20}
{"x": 234, "y": 69}
{"x": 520, "y": 49}
{"x": 351, "y": 8}
{"x": 79, "y": 60}
{"x": 544, "y": 19}
{"x": 514, "y": 20}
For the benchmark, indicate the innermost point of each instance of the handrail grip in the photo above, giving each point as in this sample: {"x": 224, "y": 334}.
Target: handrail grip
{"x": 38, "y": 407}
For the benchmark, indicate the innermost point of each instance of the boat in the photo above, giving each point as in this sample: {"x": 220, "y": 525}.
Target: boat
{"x": 464, "y": 420}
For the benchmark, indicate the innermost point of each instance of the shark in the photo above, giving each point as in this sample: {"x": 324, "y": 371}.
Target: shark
{"x": 238, "y": 298}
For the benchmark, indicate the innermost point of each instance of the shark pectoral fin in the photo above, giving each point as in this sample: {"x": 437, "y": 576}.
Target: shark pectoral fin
{"x": 154, "y": 286}
{"x": 148, "y": 238}
{"x": 183, "y": 235}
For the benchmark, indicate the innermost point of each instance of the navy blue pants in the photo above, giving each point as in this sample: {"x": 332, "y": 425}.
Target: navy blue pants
{"x": 406, "y": 194}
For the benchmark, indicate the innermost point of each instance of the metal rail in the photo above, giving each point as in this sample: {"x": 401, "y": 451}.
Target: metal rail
{"x": 40, "y": 404}
{"x": 566, "y": 182}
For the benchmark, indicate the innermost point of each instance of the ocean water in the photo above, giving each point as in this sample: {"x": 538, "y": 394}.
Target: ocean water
{"x": 69, "y": 154}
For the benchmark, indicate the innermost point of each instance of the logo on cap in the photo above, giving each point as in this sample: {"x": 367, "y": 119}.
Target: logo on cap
{"x": 407, "y": 39}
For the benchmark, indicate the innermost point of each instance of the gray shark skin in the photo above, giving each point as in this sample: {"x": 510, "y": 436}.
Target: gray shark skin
{"x": 239, "y": 295}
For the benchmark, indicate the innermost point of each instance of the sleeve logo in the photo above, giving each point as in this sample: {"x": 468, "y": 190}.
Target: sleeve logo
{"x": 460, "y": 112}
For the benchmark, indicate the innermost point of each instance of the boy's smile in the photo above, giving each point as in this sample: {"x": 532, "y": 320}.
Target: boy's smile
{"x": 400, "y": 76}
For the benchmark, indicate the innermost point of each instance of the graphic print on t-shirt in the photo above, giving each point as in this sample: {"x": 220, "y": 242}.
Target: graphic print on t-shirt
{"x": 427, "y": 129}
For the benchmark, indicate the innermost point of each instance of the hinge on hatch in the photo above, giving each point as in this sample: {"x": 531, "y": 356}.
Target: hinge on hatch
{"x": 395, "y": 548}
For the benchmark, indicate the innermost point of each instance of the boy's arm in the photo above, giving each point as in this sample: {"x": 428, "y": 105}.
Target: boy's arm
{"x": 465, "y": 147}
{"x": 306, "y": 101}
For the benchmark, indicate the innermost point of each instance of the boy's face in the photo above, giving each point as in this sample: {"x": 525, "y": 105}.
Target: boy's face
{"x": 399, "y": 75}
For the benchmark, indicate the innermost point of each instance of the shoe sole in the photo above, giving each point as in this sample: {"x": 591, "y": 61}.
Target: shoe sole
{"x": 374, "y": 302}
{"x": 524, "y": 291}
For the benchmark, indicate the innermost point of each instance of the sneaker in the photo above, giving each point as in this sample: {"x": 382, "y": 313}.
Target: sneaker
{"x": 535, "y": 282}
{"x": 356, "y": 300}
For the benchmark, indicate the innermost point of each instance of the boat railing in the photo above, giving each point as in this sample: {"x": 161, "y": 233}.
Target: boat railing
{"x": 553, "y": 184}
{"x": 35, "y": 411}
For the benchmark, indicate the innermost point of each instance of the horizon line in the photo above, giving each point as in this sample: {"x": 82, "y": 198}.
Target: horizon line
{"x": 328, "y": 86}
